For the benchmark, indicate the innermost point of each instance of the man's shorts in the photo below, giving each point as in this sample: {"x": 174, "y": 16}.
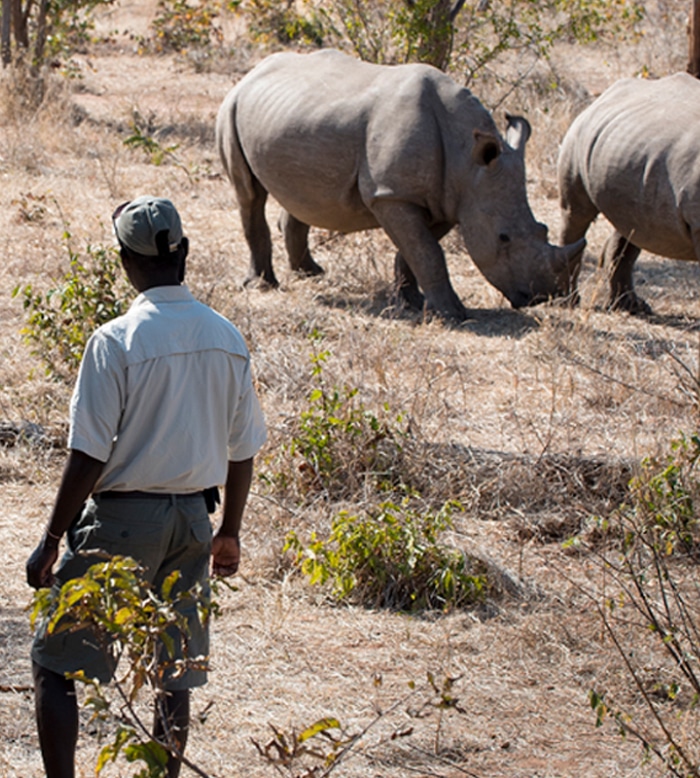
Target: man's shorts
{"x": 163, "y": 533}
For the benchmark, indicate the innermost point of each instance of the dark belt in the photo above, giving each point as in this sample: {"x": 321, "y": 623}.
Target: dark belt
{"x": 145, "y": 495}
{"x": 210, "y": 495}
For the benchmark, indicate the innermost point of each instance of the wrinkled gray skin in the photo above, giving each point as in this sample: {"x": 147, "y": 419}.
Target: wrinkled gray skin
{"x": 634, "y": 156}
{"x": 347, "y": 145}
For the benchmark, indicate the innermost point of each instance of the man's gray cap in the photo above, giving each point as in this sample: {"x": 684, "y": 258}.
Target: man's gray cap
{"x": 139, "y": 221}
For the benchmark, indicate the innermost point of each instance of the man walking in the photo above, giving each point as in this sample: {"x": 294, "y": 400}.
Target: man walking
{"x": 164, "y": 408}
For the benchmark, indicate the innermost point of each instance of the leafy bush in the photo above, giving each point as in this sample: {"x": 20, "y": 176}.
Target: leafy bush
{"x": 39, "y": 30}
{"x": 144, "y": 136}
{"x": 462, "y": 36}
{"x": 154, "y": 150}
{"x": 71, "y": 26}
{"x": 61, "y": 320}
{"x": 179, "y": 26}
{"x": 337, "y": 443}
{"x": 323, "y": 743}
{"x": 114, "y": 601}
{"x": 650, "y": 611}
{"x": 505, "y": 39}
{"x": 272, "y": 20}
{"x": 664, "y": 495}
{"x": 391, "y": 558}
{"x": 318, "y": 750}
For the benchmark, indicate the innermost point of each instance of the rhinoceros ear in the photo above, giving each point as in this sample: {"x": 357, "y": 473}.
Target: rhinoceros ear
{"x": 487, "y": 148}
{"x": 518, "y": 132}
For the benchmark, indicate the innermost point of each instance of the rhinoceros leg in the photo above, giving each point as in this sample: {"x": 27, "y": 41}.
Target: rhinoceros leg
{"x": 405, "y": 288}
{"x": 421, "y": 255}
{"x": 257, "y": 233}
{"x": 296, "y": 239}
{"x": 620, "y": 255}
{"x": 577, "y": 213}
{"x": 405, "y": 283}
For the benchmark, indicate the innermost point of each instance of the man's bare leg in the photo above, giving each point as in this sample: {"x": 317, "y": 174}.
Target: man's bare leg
{"x": 172, "y": 722}
{"x": 56, "y": 709}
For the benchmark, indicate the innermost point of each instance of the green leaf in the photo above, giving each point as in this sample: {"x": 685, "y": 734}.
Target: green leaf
{"x": 322, "y": 725}
{"x": 168, "y": 584}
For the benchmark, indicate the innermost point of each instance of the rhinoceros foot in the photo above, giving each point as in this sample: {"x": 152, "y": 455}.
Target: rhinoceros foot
{"x": 449, "y": 310}
{"x": 309, "y": 269}
{"x": 631, "y": 303}
{"x": 256, "y": 281}
{"x": 442, "y": 303}
{"x": 408, "y": 296}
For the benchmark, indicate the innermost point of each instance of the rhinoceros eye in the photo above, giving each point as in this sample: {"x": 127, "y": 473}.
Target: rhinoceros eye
{"x": 504, "y": 238}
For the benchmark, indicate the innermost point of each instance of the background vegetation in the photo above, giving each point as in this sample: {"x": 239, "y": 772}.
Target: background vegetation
{"x": 543, "y": 460}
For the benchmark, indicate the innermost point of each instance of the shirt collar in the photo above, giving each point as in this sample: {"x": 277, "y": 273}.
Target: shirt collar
{"x": 164, "y": 294}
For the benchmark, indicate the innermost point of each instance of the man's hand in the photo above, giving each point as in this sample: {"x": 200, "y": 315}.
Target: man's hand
{"x": 80, "y": 475}
{"x": 40, "y": 564}
{"x": 225, "y": 548}
{"x": 225, "y": 554}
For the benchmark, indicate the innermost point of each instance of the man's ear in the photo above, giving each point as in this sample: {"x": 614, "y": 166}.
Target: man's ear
{"x": 129, "y": 266}
{"x": 185, "y": 249}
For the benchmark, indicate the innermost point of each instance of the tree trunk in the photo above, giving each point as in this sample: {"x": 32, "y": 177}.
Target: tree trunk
{"x": 435, "y": 46}
{"x": 19, "y": 24}
{"x": 40, "y": 43}
{"x": 694, "y": 40}
{"x": 5, "y": 41}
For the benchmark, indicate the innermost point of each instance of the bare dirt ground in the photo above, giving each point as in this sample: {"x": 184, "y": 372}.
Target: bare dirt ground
{"x": 536, "y": 419}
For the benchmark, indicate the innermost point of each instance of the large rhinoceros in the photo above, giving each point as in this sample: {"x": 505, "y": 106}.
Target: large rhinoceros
{"x": 346, "y": 145}
{"x": 634, "y": 156}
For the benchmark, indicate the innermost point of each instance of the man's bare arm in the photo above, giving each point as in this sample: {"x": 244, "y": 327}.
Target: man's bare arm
{"x": 226, "y": 549}
{"x": 79, "y": 477}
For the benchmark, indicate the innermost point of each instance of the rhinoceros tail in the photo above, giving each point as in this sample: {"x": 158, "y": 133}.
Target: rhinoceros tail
{"x": 230, "y": 151}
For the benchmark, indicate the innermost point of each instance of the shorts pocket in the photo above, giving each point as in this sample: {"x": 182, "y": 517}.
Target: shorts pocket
{"x": 201, "y": 530}
{"x": 129, "y": 528}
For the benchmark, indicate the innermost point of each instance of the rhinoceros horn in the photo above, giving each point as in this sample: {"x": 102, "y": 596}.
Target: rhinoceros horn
{"x": 566, "y": 264}
{"x": 571, "y": 253}
{"x": 556, "y": 276}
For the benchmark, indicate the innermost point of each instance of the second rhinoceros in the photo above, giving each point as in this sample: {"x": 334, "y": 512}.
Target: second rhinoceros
{"x": 634, "y": 156}
{"x": 347, "y": 145}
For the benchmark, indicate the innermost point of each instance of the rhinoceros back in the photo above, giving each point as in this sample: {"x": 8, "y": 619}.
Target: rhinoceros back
{"x": 636, "y": 151}
{"x": 326, "y": 134}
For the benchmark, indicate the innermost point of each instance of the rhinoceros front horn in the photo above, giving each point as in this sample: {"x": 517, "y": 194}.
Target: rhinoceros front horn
{"x": 569, "y": 257}
{"x": 566, "y": 266}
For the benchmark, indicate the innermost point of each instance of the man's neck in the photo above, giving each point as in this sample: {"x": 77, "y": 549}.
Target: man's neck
{"x": 151, "y": 284}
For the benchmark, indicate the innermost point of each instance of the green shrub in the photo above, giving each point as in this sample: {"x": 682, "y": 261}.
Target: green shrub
{"x": 650, "y": 612}
{"x": 664, "y": 496}
{"x": 48, "y": 29}
{"x": 647, "y": 601}
{"x": 70, "y": 28}
{"x": 154, "y": 150}
{"x": 391, "y": 558}
{"x": 465, "y": 37}
{"x": 180, "y": 26}
{"x": 61, "y": 320}
{"x": 120, "y": 608}
{"x": 279, "y": 21}
{"x": 337, "y": 443}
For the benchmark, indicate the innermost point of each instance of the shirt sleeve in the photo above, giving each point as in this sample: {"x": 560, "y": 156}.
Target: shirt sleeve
{"x": 98, "y": 398}
{"x": 247, "y": 432}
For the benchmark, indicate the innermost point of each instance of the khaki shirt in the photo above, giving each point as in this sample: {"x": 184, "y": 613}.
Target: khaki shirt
{"x": 165, "y": 397}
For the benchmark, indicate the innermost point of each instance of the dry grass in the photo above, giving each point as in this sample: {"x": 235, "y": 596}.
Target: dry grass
{"x": 534, "y": 420}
